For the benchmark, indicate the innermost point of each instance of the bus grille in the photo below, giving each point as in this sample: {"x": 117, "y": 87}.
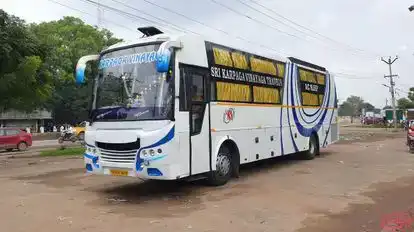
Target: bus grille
{"x": 126, "y": 157}
{"x": 117, "y": 152}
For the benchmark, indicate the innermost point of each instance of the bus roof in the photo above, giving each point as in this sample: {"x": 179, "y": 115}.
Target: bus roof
{"x": 155, "y": 38}
{"x": 165, "y": 37}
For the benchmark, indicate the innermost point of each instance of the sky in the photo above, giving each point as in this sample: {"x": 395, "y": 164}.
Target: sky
{"x": 347, "y": 37}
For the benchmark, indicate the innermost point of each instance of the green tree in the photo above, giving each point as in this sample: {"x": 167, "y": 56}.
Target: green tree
{"x": 353, "y": 107}
{"x": 411, "y": 94}
{"x": 368, "y": 107}
{"x": 404, "y": 103}
{"x": 65, "y": 41}
{"x": 25, "y": 81}
{"x": 345, "y": 109}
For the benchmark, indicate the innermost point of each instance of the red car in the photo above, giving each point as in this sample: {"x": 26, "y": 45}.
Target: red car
{"x": 14, "y": 138}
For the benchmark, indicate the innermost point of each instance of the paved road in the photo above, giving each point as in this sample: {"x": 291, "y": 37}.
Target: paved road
{"x": 50, "y": 143}
{"x": 45, "y": 143}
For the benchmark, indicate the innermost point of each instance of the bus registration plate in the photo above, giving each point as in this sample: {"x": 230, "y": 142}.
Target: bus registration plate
{"x": 119, "y": 173}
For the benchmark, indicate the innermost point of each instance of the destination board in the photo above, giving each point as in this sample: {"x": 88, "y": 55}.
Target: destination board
{"x": 234, "y": 65}
{"x": 312, "y": 88}
{"x": 312, "y": 85}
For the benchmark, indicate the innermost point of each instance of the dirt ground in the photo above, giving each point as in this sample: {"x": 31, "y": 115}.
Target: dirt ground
{"x": 352, "y": 186}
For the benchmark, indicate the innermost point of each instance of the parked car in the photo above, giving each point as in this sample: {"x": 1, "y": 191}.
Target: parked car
{"x": 14, "y": 138}
{"x": 372, "y": 120}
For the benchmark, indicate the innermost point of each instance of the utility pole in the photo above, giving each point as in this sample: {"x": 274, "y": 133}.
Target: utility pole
{"x": 100, "y": 13}
{"x": 390, "y": 61}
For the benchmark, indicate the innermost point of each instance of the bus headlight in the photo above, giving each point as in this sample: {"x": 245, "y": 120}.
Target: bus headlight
{"x": 144, "y": 152}
{"x": 152, "y": 152}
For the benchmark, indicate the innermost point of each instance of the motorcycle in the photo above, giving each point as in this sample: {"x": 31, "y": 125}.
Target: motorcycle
{"x": 67, "y": 136}
{"x": 411, "y": 144}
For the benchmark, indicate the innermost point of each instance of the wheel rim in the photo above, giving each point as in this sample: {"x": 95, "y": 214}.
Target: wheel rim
{"x": 223, "y": 164}
{"x": 22, "y": 146}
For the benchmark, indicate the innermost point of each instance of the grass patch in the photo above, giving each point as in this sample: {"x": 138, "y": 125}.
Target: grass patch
{"x": 72, "y": 151}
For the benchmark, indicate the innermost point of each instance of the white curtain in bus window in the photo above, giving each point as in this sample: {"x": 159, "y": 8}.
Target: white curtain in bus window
{"x": 232, "y": 92}
{"x": 266, "y": 95}
{"x": 222, "y": 57}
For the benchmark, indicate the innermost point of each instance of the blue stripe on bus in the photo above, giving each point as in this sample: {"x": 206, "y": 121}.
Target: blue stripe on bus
{"x": 162, "y": 141}
{"x": 292, "y": 103}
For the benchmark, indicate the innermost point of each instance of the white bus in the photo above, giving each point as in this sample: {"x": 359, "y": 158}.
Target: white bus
{"x": 170, "y": 107}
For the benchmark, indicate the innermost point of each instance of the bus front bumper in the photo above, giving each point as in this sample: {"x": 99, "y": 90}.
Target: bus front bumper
{"x": 146, "y": 171}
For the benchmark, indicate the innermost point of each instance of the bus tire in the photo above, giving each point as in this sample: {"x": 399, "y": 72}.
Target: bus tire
{"x": 313, "y": 148}
{"x": 224, "y": 168}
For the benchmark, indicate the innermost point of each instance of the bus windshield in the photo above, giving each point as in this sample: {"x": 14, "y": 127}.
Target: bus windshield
{"x": 129, "y": 88}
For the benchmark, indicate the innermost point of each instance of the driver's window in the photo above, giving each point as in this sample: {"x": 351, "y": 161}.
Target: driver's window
{"x": 193, "y": 95}
{"x": 197, "y": 88}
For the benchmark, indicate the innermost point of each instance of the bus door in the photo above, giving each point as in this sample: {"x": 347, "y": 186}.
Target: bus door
{"x": 194, "y": 82}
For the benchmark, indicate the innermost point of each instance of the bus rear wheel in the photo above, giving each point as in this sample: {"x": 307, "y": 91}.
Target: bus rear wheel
{"x": 313, "y": 149}
{"x": 224, "y": 168}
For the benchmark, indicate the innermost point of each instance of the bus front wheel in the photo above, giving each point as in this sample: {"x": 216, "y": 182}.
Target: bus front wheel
{"x": 224, "y": 168}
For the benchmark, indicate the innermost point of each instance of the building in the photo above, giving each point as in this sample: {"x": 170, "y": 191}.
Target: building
{"x": 33, "y": 120}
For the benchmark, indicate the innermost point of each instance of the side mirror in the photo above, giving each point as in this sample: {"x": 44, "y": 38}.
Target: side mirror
{"x": 164, "y": 55}
{"x": 81, "y": 66}
{"x": 163, "y": 60}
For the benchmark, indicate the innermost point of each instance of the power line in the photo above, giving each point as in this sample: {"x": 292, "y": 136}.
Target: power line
{"x": 129, "y": 15}
{"x": 255, "y": 20}
{"x": 350, "y": 76}
{"x": 185, "y": 16}
{"x": 100, "y": 14}
{"x": 208, "y": 26}
{"x": 271, "y": 26}
{"x": 160, "y": 19}
{"x": 124, "y": 13}
{"x": 364, "y": 76}
{"x": 87, "y": 13}
{"x": 308, "y": 29}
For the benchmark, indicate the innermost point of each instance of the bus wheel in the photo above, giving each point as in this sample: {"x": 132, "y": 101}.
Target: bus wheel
{"x": 224, "y": 168}
{"x": 313, "y": 149}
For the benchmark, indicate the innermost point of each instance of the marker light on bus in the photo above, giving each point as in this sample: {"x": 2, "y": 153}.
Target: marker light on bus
{"x": 91, "y": 150}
